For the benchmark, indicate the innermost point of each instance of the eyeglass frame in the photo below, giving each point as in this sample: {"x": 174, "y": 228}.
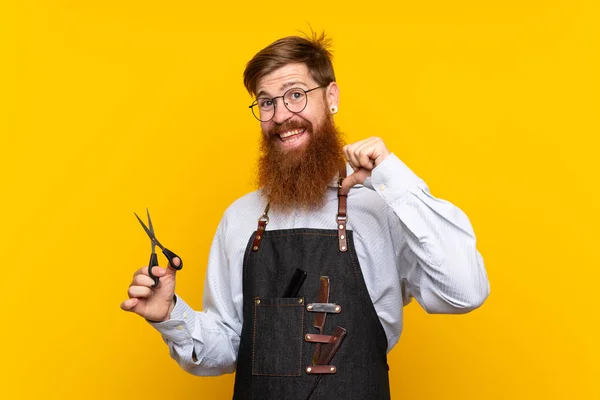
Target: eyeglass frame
{"x": 255, "y": 102}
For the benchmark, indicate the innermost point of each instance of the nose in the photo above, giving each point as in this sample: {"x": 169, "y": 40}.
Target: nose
{"x": 282, "y": 114}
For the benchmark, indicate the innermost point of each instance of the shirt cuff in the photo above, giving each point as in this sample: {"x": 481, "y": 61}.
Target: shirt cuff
{"x": 179, "y": 327}
{"x": 392, "y": 179}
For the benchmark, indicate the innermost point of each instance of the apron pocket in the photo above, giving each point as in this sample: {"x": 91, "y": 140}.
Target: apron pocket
{"x": 278, "y": 336}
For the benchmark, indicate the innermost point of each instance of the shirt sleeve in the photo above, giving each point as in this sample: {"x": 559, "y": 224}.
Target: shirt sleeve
{"x": 206, "y": 342}
{"x": 434, "y": 243}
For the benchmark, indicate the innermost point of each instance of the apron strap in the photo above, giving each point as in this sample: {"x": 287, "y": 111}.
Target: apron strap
{"x": 262, "y": 224}
{"x": 342, "y": 218}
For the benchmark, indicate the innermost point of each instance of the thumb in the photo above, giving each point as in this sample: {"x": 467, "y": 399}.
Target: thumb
{"x": 176, "y": 263}
{"x": 355, "y": 178}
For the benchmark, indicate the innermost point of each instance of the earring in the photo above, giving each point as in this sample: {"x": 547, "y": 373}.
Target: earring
{"x": 334, "y": 109}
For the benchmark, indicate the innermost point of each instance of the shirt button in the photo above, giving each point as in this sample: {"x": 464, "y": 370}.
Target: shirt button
{"x": 179, "y": 327}
{"x": 382, "y": 187}
{"x": 185, "y": 314}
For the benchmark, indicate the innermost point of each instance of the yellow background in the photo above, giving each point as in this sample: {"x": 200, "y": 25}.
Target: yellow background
{"x": 111, "y": 106}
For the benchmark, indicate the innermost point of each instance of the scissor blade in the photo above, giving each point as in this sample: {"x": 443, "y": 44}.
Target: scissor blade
{"x": 150, "y": 227}
{"x": 148, "y": 232}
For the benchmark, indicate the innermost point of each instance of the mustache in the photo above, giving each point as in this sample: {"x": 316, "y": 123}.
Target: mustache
{"x": 289, "y": 125}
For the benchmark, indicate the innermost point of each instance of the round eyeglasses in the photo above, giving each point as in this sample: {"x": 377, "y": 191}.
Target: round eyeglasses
{"x": 295, "y": 100}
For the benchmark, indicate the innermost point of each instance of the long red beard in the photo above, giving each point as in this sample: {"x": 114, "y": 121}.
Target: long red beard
{"x": 299, "y": 178}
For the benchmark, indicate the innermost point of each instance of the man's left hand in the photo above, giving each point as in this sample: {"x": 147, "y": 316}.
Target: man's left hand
{"x": 363, "y": 156}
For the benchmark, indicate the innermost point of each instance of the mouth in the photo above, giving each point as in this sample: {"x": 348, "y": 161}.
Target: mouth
{"x": 292, "y": 138}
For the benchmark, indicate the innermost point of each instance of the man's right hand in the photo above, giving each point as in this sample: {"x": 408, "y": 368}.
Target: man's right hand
{"x": 154, "y": 304}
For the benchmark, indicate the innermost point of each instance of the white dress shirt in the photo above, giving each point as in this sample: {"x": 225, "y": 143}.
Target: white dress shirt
{"x": 409, "y": 244}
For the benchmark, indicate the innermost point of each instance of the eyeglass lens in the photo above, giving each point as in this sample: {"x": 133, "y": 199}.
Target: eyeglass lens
{"x": 294, "y": 100}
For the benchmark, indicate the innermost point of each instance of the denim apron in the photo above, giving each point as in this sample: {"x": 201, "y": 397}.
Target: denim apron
{"x": 279, "y": 338}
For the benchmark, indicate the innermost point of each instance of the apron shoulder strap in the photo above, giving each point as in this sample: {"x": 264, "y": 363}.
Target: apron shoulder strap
{"x": 341, "y": 217}
{"x": 262, "y": 224}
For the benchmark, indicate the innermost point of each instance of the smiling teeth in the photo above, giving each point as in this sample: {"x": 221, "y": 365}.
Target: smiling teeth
{"x": 291, "y": 133}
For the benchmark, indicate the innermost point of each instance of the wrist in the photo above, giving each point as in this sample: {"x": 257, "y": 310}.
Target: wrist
{"x": 171, "y": 307}
{"x": 381, "y": 158}
{"x": 170, "y": 310}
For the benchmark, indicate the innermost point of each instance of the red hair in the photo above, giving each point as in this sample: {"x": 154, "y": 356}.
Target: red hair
{"x": 311, "y": 51}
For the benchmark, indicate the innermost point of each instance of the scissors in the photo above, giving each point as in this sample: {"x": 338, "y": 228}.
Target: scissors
{"x": 153, "y": 258}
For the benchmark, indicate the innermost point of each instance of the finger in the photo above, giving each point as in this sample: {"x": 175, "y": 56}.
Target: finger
{"x": 350, "y": 156}
{"x": 353, "y": 152}
{"x": 170, "y": 271}
{"x": 356, "y": 178}
{"x": 378, "y": 151}
{"x": 159, "y": 271}
{"x": 142, "y": 280}
{"x": 139, "y": 291}
{"x": 143, "y": 271}
{"x": 176, "y": 261}
{"x": 349, "y": 181}
{"x": 379, "y": 155}
{"x": 128, "y": 304}
{"x": 364, "y": 156}
{"x": 156, "y": 271}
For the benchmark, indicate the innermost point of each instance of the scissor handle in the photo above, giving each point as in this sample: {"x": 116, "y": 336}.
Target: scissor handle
{"x": 170, "y": 256}
{"x": 153, "y": 263}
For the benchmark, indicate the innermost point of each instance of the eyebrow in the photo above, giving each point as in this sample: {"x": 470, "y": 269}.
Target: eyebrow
{"x": 284, "y": 86}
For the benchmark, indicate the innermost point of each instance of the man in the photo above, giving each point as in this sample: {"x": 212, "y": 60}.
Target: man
{"x": 367, "y": 244}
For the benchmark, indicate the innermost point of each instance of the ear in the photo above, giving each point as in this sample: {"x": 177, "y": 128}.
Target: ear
{"x": 333, "y": 95}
